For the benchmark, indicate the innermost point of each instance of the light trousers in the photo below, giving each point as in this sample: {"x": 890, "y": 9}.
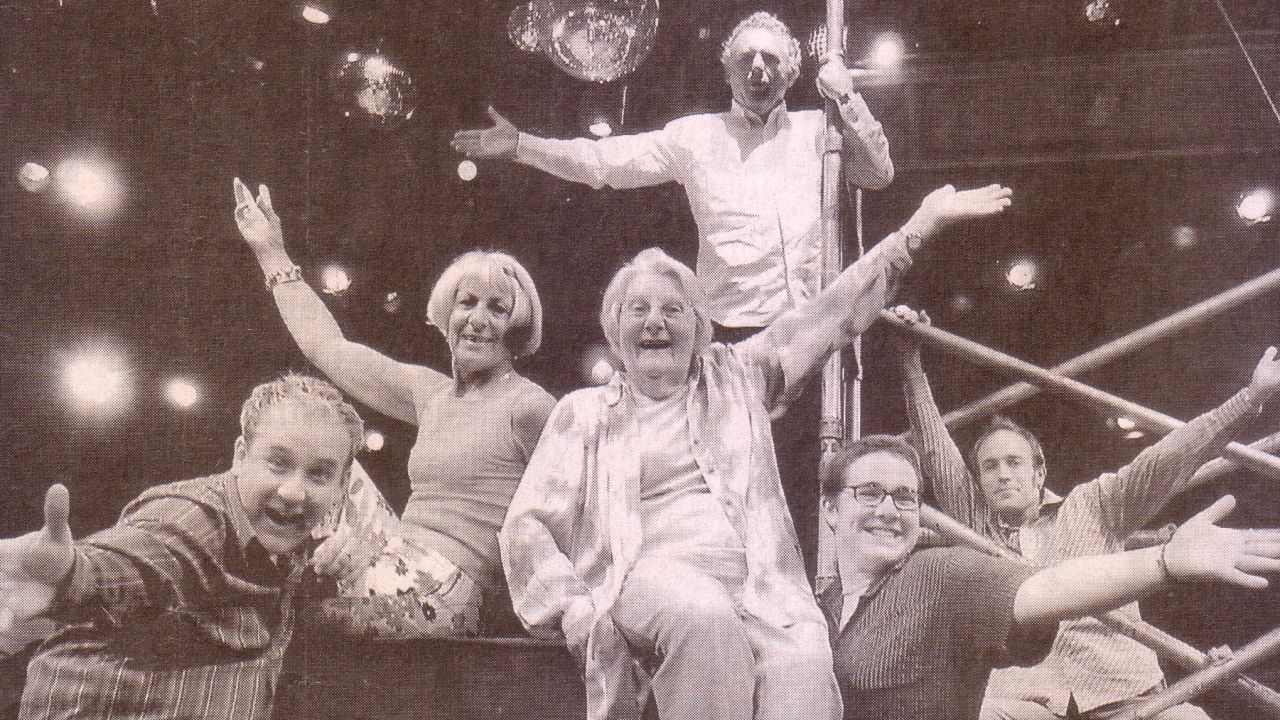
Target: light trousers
{"x": 716, "y": 662}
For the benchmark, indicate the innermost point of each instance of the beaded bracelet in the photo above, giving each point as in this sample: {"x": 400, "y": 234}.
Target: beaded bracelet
{"x": 292, "y": 273}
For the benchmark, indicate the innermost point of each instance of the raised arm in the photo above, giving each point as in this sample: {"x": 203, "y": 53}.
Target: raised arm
{"x": 866, "y": 150}
{"x": 1199, "y": 551}
{"x": 622, "y": 162}
{"x": 1131, "y": 497}
{"x": 946, "y": 477}
{"x": 548, "y": 595}
{"x": 371, "y": 377}
{"x": 807, "y": 335}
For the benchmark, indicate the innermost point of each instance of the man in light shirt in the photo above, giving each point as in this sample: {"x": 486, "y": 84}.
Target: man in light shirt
{"x": 753, "y": 174}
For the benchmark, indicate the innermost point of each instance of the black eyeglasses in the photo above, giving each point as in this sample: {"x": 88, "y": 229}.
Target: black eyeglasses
{"x": 872, "y": 494}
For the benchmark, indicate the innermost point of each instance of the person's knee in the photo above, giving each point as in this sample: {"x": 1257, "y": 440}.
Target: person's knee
{"x": 706, "y": 621}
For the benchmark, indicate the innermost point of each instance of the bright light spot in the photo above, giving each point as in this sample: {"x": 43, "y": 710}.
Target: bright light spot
{"x": 887, "y": 52}
{"x": 602, "y": 372}
{"x": 467, "y": 170}
{"x": 256, "y": 64}
{"x": 1022, "y": 275}
{"x": 962, "y": 304}
{"x": 1185, "y": 237}
{"x": 1256, "y": 207}
{"x": 601, "y": 129}
{"x": 1126, "y": 424}
{"x": 1134, "y": 435}
{"x": 182, "y": 393}
{"x": 85, "y": 182}
{"x": 335, "y": 280}
{"x": 377, "y": 67}
{"x": 704, "y": 33}
{"x": 374, "y": 440}
{"x": 313, "y": 14}
{"x": 33, "y": 176}
{"x": 391, "y": 302}
{"x": 98, "y": 379}
{"x": 353, "y": 57}
{"x": 596, "y": 366}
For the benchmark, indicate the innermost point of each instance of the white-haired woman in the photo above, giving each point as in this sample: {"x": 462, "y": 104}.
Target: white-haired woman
{"x": 476, "y": 431}
{"x": 651, "y": 517}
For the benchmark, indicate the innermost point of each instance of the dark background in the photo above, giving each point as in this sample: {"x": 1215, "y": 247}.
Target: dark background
{"x": 1111, "y": 136}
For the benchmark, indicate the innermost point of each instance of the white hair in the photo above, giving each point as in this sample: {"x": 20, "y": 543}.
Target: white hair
{"x": 657, "y": 262}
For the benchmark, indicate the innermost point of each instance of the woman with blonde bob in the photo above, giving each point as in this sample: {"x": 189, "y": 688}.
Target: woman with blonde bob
{"x": 437, "y": 565}
{"x": 651, "y": 518}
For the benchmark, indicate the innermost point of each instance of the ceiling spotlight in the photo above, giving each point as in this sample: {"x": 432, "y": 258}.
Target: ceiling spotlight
{"x": 1022, "y": 275}
{"x": 887, "y": 52}
{"x": 601, "y": 128}
{"x": 374, "y": 440}
{"x": 1125, "y": 423}
{"x": 391, "y": 302}
{"x": 314, "y": 15}
{"x": 86, "y": 183}
{"x": 97, "y": 380}
{"x": 1185, "y": 236}
{"x": 467, "y": 171}
{"x": 1256, "y": 206}
{"x": 596, "y": 366}
{"x": 182, "y": 393}
{"x": 34, "y": 177}
{"x": 962, "y": 304}
{"x": 335, "y": 280}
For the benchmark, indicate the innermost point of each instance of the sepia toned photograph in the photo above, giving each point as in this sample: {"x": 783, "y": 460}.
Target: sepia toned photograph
{"x": 639, "y": 359}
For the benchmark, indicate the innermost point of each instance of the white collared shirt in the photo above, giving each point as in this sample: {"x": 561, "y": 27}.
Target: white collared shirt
{"x": 754, "y": 186}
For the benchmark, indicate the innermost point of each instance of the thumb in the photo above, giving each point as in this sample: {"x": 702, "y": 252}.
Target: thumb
{"x": 1270, "y": 354}
{"x": 242, "y": 193}
{"x": 57, "y": 508}
{"x": 1217, "y": 511}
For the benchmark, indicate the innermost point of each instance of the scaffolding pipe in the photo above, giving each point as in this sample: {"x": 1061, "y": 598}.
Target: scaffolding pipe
{"x": 1166, "y": 646}
{"x": 1262, "y": 462}
{"x": 1201, "y": 681}
{"x": 1201, "y": 312}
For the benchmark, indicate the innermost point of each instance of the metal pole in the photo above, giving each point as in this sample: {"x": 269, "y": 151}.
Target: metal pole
{"x": 831, "y": 424}
{"x": 1159, "y": 330}
{"x": 1254, "y": 459}
{"x": 1165, "y": 645}
{"x": 1206, "y": 679}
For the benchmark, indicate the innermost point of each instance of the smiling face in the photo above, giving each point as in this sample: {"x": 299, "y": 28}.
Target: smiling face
{"x": 292, "y": 473}
{"x": 758, "y": 71}
{"x": 883, "y": 535}
{"x": 478, "y": 325}
{"x": 657, "y": 328}
{"x": 1009, "y": 474}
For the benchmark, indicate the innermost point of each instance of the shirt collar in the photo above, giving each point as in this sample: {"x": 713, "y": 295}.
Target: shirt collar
{"x": 237, "y": 514}
{"x": 618, "y": 387}
{"x": 1048, "y": 501}
{"x": 775, "y": 118}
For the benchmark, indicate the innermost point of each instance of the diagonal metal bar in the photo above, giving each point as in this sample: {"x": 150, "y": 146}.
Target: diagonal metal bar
{"x": 1166, "y": 646}
{"x": 1254, "y": 459}
{"x": 1201, "y": 312}
{"x": 1263, "y": 648}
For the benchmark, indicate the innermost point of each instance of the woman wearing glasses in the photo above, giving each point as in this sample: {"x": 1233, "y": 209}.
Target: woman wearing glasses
{"x": 651, "y": 517}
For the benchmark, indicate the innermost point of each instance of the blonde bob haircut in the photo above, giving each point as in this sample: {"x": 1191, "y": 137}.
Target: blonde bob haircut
{"x": 524, "y": 337}
{"x": 655, "y": 261}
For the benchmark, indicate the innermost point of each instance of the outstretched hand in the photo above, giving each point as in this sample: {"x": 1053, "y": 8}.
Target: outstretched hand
{"x": 494, "y": 143}
{"x": 33, "y": 566}
{"x": 947, "y": 206}
{"x": 1266, "y": 376}
{"x": 1202, "y": 551}
{"x": 259, "y": 225}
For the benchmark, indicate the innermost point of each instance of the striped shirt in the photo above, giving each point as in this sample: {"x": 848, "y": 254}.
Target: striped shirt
{"x": 176, "y": 612}
{"x": 922, "y": 643}
{"x": 1088, "y": 661}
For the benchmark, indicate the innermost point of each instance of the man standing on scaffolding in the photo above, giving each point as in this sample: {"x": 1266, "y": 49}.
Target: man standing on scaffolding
{"x": 1091, "y": 670}
{"x": 753, "y": 176}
